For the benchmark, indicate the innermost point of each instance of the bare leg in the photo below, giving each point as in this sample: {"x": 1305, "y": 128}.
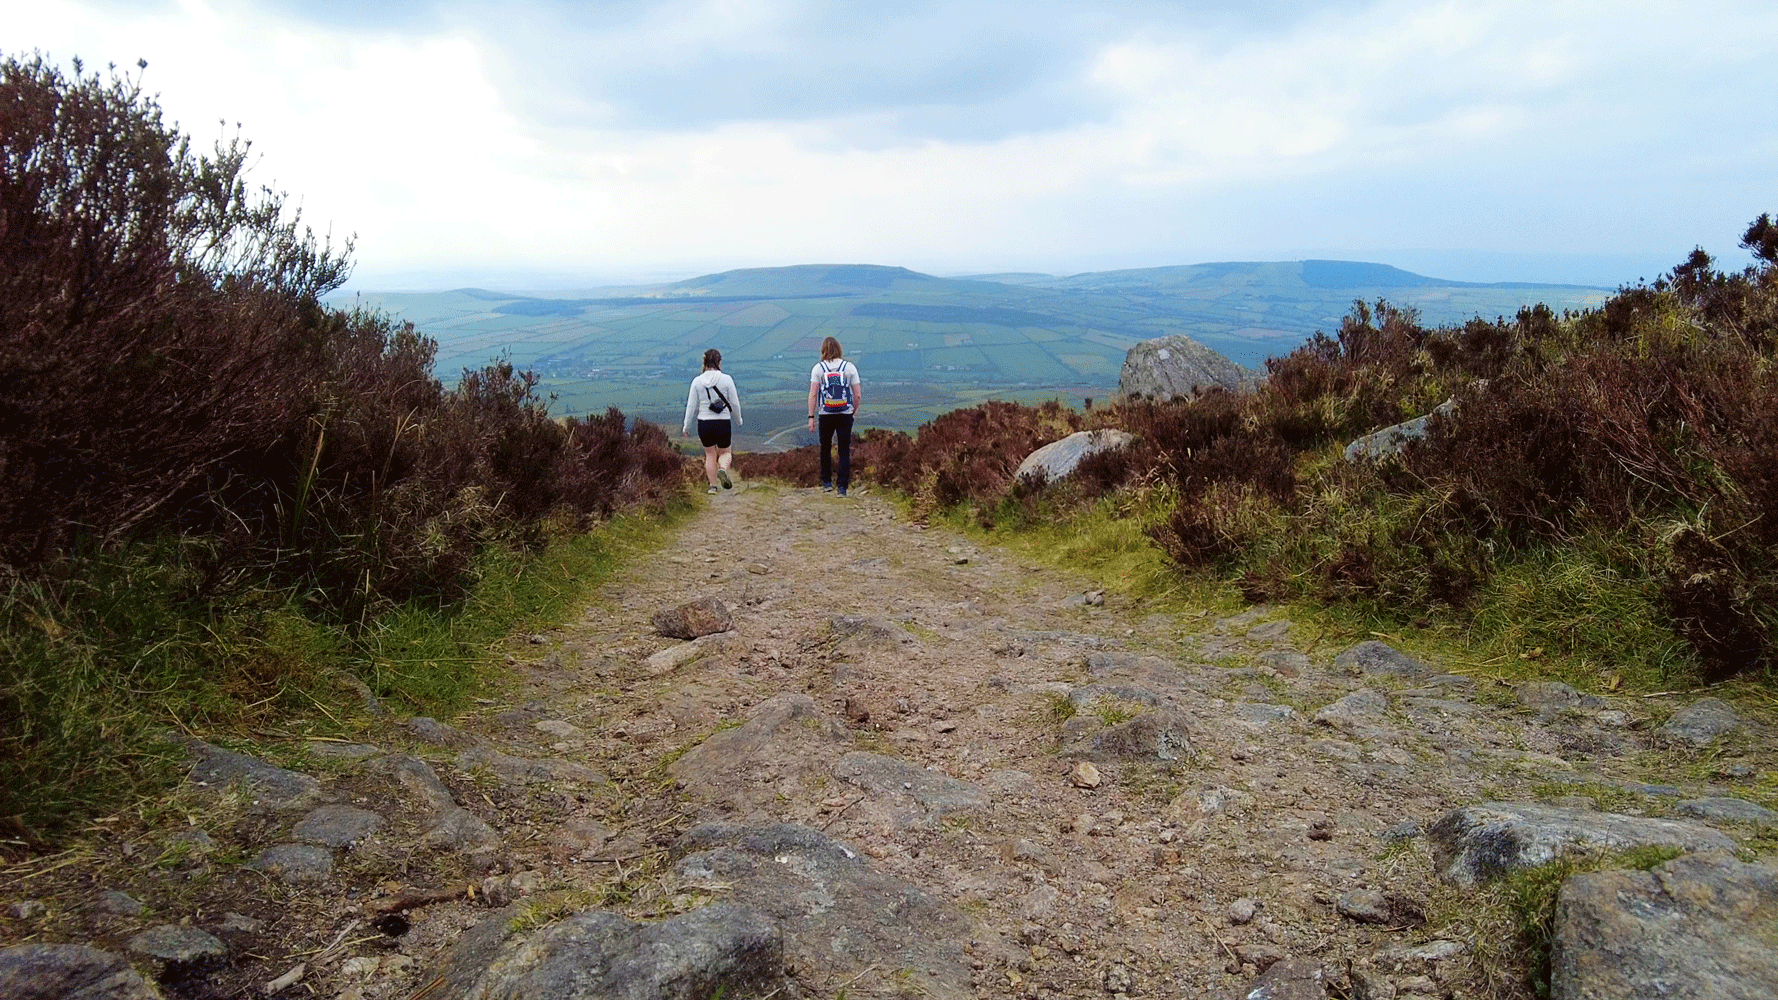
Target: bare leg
{"x": 710, "y": 463}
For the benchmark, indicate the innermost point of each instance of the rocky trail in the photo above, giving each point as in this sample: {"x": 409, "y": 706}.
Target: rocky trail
{"x": 896, "y": 764}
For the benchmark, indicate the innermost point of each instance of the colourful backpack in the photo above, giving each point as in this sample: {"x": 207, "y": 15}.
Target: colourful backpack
{"x": 836, "y": 389}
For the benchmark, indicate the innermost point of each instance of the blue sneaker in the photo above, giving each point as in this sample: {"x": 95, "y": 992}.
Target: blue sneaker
{"x": 827, "y": 487}
{"x": 842, "y": 491}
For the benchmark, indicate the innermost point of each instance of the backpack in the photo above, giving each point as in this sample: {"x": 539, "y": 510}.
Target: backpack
{"x": 836, "y": 389}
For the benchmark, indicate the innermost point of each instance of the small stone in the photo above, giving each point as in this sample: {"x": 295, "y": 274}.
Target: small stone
{"x": 1241, "y": 911}
{"x": 296, "y": 863}
{"x": 704, "y": 616}
{"x": 945, "y": 726}
{"x": 538, "y": 640}
{"x": 559, "y": 729}
{"x": 1731, "y": 810}
{"x": 1082, "y": 824}
{"x": 1117, "y": 979}
{"x": 27, "y": 909}
{"x": 1701, "y": 722}
{"x": 177, "y": 943}
{"x": 1407, "y": 829}
{"x": 120, "y": 903}
{"x": 1613, "y": 718}
{"x": 240, "y": 923}
{"x": 1260, "y": 956}
{"x": 1321, "y": 827}
{"x": 1737, "y": 772}
{"x": 758, "y": 569}
{"x": 336, "y": 826}
{"x": 1084, "y": 775}
{"x": 1367, "y": 906}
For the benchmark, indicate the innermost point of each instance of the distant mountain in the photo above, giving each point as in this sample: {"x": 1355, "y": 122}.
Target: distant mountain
{"x": 925, "y": 343}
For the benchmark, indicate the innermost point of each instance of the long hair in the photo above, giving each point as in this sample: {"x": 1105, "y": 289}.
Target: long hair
{"x": 830, "y": 349}
{"x": 713, "y": 359}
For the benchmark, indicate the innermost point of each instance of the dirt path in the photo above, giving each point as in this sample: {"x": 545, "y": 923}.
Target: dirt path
{"x": 1034, "y": 792}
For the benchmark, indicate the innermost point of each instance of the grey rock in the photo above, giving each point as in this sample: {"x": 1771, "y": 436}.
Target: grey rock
{"x": 908, "y": 791}
{"x": 524, "y": 770}
{"x": 1374, "y": 657}
{"x": 1242, "y": 911}
{"x": 1162, "y": 737}
{"x": 1407, "y": 829}
{"x": 839, "y": 916}
{"x": 713, "y": 762}
{"x": 717, "y": 950}
{"x": 1369, "y": 906}
{"x": 1390, "y": 441}
{"x": 457, "y": 829}
{"x": 177, "y": 943}
{"x": 692, "y": 619}
{"x": 1059, "y": 459}
{"x": 1290, "y": 979}
{"x": 240, "y": 923}
{"x": 1554, "y": 696}
{"x": 337, "y": 826}
{"x": 1701, "y": 722}
{"x": 69, "y": 972}
{"x": 27, "y": 909}
{"x": 1418, "y": 956}
{"x": 194, "y": 840}
{"x": 1368, "y": 984}
{"x": 1260, "y": 714}
{"x": 120, "y": 903}
{"x": 1177, "y": 365}
{"x": 1482, "y": 842}
{"x": 416, "y": 778}
{"x": 273, "y": 787}
{"x": 1262, "y": 956}
{"x": 1358, "y": 710}
{"x": 432, "y": 731}
{"x": 1729, "y": 810}
{"x": 1696, "y": 926}
{"x": 1284, "y": 662}
{"x": 1271, "y": 631}
{"x": 296, "y": 864}
{"x": 674, "y": 657}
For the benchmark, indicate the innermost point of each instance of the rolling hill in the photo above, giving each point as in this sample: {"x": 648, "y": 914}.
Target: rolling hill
{"x": 926, "y": 344}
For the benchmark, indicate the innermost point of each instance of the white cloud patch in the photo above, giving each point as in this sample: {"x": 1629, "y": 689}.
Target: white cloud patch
{"x": 446, "y": 144}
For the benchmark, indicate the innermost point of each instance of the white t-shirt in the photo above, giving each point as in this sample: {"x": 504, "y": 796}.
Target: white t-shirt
{"x": 703, "y": 392}
{"x": 818, "y": 374}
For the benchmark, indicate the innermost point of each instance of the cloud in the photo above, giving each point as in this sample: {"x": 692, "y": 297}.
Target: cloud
{"x": 644, "y": 136}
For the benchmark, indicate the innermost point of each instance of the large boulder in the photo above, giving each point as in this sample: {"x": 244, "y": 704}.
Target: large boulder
{"x": 1482, "y": 842}
{"x": 69, "y": 972}
{"x": 718, "y": 950}
{"x": 1177, "y": 366}
{"x": 1391, "y": 441}
{"x": 1696, "y": 926}
{"x": 1059, "y": 459}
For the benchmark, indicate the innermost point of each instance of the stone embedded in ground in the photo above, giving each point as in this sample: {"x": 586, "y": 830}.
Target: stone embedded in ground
{"x": 1260, "y": 714}
{"x": 177, "y": 943}
{"x": 1701, "y": 722}
{"x": 1089, "y": 693}
{"x": 713, "y": 763}
{"x": 272, "y": 787}
{"x": 337, "y": 826}
{"x": 1059, "y": 459}
{"x": 1369, "y": 906}
{"x": 840, "y": 917}
{"x": 704, "y": 616}
{"x": 438, "y": 733}
{"x": 1284, "y": 662}
{"x": 1289, "y": 979}
{"x": 1392, "y": 440}
{"x": 1728, "y": 810}
{"x": 908, "y": 793}
{"x": 1262, "y": 956}
{"x": 296, "y": 864}
{"x": 1373, "y": 657}
{"x": 120, "y": 903}
{"x": 1084, "y": 775}
{"x": 1161, "y": 737}
{"x": 329, "y": 750}
{"x": 457, "y": 829}
{"x": 1271, "y": 631}
{"x": 871, "y": 630}
{"x": 69, "y": 972}
{"x": 1486, "y": 841}
{"x": 1698, "y": 926}
{"x": 525, "y": 770}
{"x": 716, "y": 950}
{"x": 1356, "y": 711}
{"x": 1554, "y": 696}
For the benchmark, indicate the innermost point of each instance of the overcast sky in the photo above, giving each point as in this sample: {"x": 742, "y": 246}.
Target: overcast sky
{"x": 548, "y": 143}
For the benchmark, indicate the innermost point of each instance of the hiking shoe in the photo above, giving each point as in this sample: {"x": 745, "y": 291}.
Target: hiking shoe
{"x": 842, "y": 491}
{"x": 712, "y": 490}
{"x": 827, "y": 487}
{"x": 727, "y": 483}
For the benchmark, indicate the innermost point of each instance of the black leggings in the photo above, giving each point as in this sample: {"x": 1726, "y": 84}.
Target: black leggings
{"x": 830, "y": 424}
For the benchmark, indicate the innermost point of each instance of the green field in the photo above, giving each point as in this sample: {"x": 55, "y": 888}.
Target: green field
{"x": 925, "y": 345}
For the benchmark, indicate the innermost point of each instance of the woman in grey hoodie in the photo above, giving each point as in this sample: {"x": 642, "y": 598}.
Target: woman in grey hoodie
{"x": 715, "y": 404}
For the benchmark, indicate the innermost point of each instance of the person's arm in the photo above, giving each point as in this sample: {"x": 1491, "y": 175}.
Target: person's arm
{"x": 734, "y": 400}
{"x": 691, "y": 406}
{"x": 857, "y": 392}
{"x": 812, "y": 384}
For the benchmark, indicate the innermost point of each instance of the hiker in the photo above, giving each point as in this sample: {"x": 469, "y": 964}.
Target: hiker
{"x": 835, "y": 393}
{"x": 716, "y": 404}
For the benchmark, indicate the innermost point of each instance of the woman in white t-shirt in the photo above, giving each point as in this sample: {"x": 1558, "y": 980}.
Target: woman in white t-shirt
{"x": 835, "y": 393}
{"x": 715, "y": 404}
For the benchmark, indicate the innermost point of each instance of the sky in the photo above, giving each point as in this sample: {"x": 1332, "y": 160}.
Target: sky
{"x": 552, "y": 144}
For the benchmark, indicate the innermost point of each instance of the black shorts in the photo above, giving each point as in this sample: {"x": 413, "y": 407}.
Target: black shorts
{"x": 713, "y": 433}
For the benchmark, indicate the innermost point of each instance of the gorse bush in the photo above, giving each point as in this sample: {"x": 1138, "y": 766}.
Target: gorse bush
{"x": 199, "y": 460}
